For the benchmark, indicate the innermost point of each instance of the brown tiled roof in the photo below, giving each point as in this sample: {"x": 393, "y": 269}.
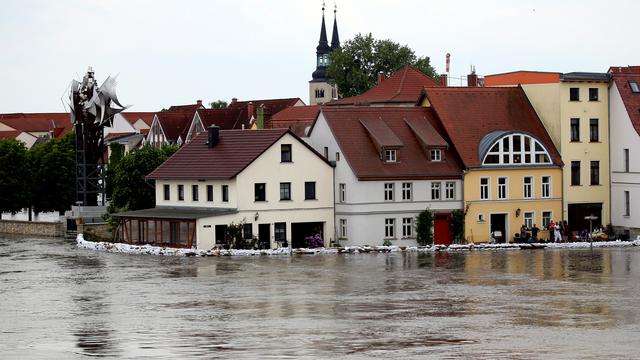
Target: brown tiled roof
{"x": 175, "y": 123}
{"x": 271, "y": 106}
{"x": 363, "y": 154}
{"x": 190, "y": 107}
{"x": 118, "y": 135}
{"x": 622, "y": 76}
{"x": 59, "y": 123}
{"x": 133, "y": 116}
{"x": 380, "y": 133}
{"x": 9, "y": 134}
{"x": 296, "y": 118}
{"x": 425, "y": 132}
{"x": 403, "y": 86}
{"x": 235, "y": 151}
{"x": 225, "y": 119}
{"x": 470, "y": 113}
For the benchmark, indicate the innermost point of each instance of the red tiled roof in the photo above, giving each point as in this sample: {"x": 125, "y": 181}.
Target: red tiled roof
{"x": 117, "y": 135}
{"x": 175, "y": 124}
{"x": 403, "y": 86}
{"x": 225, "y": 119}
{"x": 59, "y": 123}
{"x": 296, "y": 118}
{"x": 9, "y": 134}
{"x": 363, "y": 155}
{"x": 133, "y": 116}
{"x": 189, "y": 107}
{"x": 235, "y": 151}
{"x": 622, "y": 76}
{"x": 470, "y": 113}
{"x": 271, "y": 106}
{"x": 144, "y": 131}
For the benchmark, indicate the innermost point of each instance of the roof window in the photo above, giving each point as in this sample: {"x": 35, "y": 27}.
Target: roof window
{"x": 634, "y": 87}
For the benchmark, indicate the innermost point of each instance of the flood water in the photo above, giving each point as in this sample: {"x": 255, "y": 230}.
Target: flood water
{"x": 57, "y": 301}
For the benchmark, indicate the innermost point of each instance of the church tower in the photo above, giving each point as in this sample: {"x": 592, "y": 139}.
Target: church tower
{"x": 320, "y": 90}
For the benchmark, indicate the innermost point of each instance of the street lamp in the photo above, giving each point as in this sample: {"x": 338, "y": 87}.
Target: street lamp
{"x": 591, "y": 218}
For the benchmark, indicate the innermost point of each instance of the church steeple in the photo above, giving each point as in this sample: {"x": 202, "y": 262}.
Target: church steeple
{"x": 322, "y": 53}
{"x": 320, "y": 88}
{"x": 323, "y": 44}
{"x": 335, "y": 39}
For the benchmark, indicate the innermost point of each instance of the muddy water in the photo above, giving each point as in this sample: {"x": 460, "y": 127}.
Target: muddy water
{"x": 57, "y": 301}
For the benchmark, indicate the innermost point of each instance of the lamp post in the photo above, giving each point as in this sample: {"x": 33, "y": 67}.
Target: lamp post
{"x": 591, "y": 218}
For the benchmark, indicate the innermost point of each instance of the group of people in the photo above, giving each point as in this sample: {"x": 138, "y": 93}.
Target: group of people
{"x": 558, "y": 231}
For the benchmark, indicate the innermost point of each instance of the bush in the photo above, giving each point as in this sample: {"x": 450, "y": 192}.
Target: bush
{"x": 424, "y": 227}
{"x": 457, "y": 226}
{"x": 386, "y": 242}
{"x": 314, "y": 241}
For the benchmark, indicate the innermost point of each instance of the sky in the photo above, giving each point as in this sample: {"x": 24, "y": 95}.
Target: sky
{"x": 176, "y": 52}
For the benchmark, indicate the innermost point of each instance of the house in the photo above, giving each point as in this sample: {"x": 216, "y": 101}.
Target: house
{"x": 391, "y": 164}
{"x": 33, "y": 127}
{"x": 321, "y": 90}
{"x": 624, "y": 117}
{"x": 297, "y": 118}
{"x": 574, "y": 108}
{"x": 270, "y": 181}
{"x": 172, "y": 126}
{"x": 512, "y": 170}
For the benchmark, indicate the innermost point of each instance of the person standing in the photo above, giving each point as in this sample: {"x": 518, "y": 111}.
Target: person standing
{"x": 534, "y": 233}
{"x": 557, "y": 235}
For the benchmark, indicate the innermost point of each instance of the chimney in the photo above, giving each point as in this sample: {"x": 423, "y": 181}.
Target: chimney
{"x": 214, "y": 136}
{"x": 249, "y": 110}
{"x": 260, "y": 117}
{"x": 444, "y": 81}
{"x": 199, "y": 102}
{"x": 472, "y": 79}
{"x": 381, "y": 77}
{"x": 234, "y": 101}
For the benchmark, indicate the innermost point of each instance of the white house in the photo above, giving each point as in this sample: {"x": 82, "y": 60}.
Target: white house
{"x": 390, "y": 164}
{"x": 624, "y": 110}
{"x": 269, "y": 180}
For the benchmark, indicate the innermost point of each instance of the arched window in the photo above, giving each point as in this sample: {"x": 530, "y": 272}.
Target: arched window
{"x": 516, "y": 149}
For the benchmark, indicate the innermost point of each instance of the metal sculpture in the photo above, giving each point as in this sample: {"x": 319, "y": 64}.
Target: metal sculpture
{"x": 91, "y": 111}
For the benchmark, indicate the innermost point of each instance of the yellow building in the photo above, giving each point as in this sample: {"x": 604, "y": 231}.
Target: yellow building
{"x": 513, "y": 171}
{"x": 574, "y": 108}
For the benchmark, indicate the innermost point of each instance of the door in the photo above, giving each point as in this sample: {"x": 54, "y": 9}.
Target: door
{"x": 442, "y": 229}
{"x": 264, "y": 236}
{"x": 221, "y": 235}
{"x": 499, "y": 228}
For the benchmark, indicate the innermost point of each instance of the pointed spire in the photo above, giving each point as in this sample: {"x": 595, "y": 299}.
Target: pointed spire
{"x": 323, "y": 44}
{"x": 335, "y": 38}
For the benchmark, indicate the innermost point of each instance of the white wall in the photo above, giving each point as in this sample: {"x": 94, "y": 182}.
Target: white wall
{"x": 623, "y": 136}
{"x": 120, "y": 125}
{"x": 202, "y": 198}
{"x": 365, "y": 208}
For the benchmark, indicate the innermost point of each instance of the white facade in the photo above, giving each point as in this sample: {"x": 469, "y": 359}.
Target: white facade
{"x": 120, "y": 125}
{"x": 624, "y": 181}
{"x": 306, "y": 166}
{"x": 362, "y": 207}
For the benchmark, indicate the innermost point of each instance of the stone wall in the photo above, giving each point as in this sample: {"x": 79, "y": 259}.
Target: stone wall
{"x": 96, "y": 231}
{"x": 52, "y": 229}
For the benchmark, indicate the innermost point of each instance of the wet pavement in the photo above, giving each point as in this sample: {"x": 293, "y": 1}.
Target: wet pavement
{"x": 57, "y": 301}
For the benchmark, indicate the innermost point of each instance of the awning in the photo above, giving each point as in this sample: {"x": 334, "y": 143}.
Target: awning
{"x": 186, "y": 213}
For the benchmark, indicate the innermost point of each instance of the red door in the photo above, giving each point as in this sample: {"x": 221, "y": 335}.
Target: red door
{"x": 442, "y": 229}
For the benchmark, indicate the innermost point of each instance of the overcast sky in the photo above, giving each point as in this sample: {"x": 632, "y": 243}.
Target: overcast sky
{"x": 174, "y": 52}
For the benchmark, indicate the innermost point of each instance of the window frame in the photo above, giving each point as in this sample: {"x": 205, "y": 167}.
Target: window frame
{"x": 180, "y": 192}
{"x": 389, "y": 228}
{"x": 576, "y": 175}
{"x": 593, "y": 91}
{"x": 511, "y": 149}
{"x": 594, "y": 172}
{"x": 407, "y": 227}
{"x": 286, "y": 150}
{"x": 257, "y": 192}
{"x": 574, "y": 94}
{"x": 435, "y": 155}
{"x": 343, "y": 228}
{"x": 280, "y": 231}
{"x": 285, "y": 191}
{"x": 634, "y": 87}
{"x": 167, "y": 192}
{"x": 342, "y": 192}
{"x": 528, "y": 222}
{"x": 545, "y": 187}
{"x": 625, "y": 154}
{"x": 436, "y": 189}
{"x": 225, "y": 193}
{"x": 528, "y": 187}
{"x": 486, "y": 187}
{"x": 248, "y": 226}
{"x": 209, "y": 193}
{"x": 450, "y": 186}
{"x": 627, "y": 203}
{"x": 594, "y": 124}
{"x": 504, "y": 187}
{"x": 390, "y": 156}
{"x": 195, "y": 192}
{"x": 389, "y": 190}
{"x": 407, "y": 191}
{"x": 307, "y": 192}
{"x": 574, "y": 129}
{"x": 545, "y": 225}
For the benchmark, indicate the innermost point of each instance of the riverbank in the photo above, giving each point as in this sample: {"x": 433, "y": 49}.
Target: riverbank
{"x": 163, "y": 251}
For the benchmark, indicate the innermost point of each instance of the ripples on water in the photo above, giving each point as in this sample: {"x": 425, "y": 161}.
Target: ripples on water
{"x": 61, "y": 302}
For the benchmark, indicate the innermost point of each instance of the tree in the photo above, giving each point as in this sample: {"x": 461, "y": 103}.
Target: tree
{"x": 424, "y": 227}
{"x": 117, "y": 152}
{"x": 218, "y": 104}
{"x": 457, "y": 226}
{"x": 14, "y": 176}
{"x": 355, "y": 66}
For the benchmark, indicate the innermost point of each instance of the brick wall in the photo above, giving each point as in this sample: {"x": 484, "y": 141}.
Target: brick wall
{"x": 53, "y": 229}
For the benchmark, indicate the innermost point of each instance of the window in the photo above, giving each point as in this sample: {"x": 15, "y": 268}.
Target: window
{"x": 546, "y": 186}
{"x": 634, "y": 87}
{"x": 407, "y": 227}
{"x": 484, "y": 188}
{"x": 575, "y": 173}
{"x": 436, "y": 155}
{"x": 502, "y": 188}
{"x": 594, "y": 135}
{"x": 626, "y": 161}
{"x": 319, "y": 92}
{"x": 450, "y": 190}
{"x": 389, "y": 228}
{"x": 435, "y": 191}
{"x": 406, "y": 191}
{"x": 627, "y": 204}
{"x": 574, "y": 94}
{"x": 247, "y": 231}
{"x": 481, "y": 218}
{"x": 516, "y": 149}
{"x": 209, "y": 193}
{"x": 342, "y": 192}
{"x": 343, "y": 228}
{"x": 595, "y": 173}
{"x": 326, "y": 153}
{"x": 167, "y": 192}
{"x": 225, "y": 193}
{"x": 528, "y": 219}
{"x": 285, "y": 191}
{"x": 260, "y": 193}
{"x": 310, "y": 190}
{"x": 390, "y": 156}
{"x": 546, "y": 219}
{"x": 195, "y": 193}
{"x": 280, "y": 231}
{"x": 528, "y": 187}
{"x": 388, "y": 191}
{"x": 575, "y": 129}
{"x": 593, "y": 94}
{"x": 337, "y": 156}
{"x": 285, "y": 153}
{"x": 181, "y": 192}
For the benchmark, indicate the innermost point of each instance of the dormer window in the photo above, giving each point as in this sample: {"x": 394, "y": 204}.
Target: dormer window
{"x": 516, "y": 149}
{"x": 390, "y": 156}
{"x": 634, "y": 87}
{"x": 436, "y": 155}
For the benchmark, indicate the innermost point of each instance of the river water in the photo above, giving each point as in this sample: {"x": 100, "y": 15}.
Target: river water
{"x": 57, "y": 301}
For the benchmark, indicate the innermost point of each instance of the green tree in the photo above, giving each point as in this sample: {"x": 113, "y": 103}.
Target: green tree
{"x": 53, "y": 170}
{"x": 218, "y": 104}
{"x": 14, "y": 176}
{"x": 424, "y": 227}
{"x": 355, "y": 66}
{"x": 117, "y": 152}
{"x": 457, "y": 226}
